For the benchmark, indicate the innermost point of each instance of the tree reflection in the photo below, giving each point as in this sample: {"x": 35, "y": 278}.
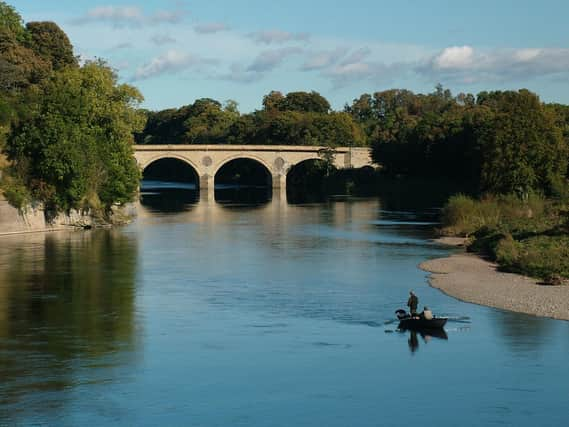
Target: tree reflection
{"x": 70, "y": 302}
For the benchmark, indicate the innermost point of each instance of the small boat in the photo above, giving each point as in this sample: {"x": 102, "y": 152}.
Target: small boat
{"x": 419, "y": 323}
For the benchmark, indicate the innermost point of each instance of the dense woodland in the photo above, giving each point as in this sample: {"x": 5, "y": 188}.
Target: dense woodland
{"x": 67, "y": 129}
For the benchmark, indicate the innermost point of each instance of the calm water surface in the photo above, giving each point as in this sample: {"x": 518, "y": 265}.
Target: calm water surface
{"x": 205, "y": 314}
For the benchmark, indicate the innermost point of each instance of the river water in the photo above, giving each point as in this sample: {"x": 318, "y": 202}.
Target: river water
{"x": 208, "y": 314}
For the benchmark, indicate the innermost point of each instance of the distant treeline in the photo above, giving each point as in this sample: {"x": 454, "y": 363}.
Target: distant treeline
{"x": 299, "y": 118}
{"x": 499, "y": 142}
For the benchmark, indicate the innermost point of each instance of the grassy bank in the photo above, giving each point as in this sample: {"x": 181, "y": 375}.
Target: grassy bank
{"x": 529, "y": 236}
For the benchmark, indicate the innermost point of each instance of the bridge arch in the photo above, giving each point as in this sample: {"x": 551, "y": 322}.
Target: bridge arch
{"x": 143, "y": 164}
{"x": 245, "y": 156}
{"x": 169, "y": 168}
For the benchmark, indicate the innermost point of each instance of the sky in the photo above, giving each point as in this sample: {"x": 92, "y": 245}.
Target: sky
{"x": 178, "y": 51}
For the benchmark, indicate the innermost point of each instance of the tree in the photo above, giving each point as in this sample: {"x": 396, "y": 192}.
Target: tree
{"x": 523, "y": 149}
{"x": 76, "y": 148}
{"x": 306, "y": 102}
{"x": 50, "y": 43}
{"x": 272, "y": 101}
{"x": 11, "y": 23}
{"x": 208, "y": 122}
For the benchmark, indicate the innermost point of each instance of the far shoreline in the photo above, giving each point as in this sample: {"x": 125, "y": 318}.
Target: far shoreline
{"x": 469, "y": 278}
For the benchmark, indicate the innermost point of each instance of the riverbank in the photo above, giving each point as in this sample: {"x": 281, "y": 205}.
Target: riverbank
{"x": 470, "y": 278}
{"x": 33, "y": 219}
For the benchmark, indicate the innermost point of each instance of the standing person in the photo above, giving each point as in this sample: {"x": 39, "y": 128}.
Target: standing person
{"x": 412, "y": 303}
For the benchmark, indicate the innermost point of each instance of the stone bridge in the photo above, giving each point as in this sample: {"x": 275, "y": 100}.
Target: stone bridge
{"x": 206, "y": 160}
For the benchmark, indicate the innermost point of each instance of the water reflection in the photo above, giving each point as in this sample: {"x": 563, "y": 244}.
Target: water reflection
{"x": 163, "y": 196}
{"x": 249, "y": 195}
{"x": 426, "y": 335}
{"x": 521, "y": 332}
{"x": 67, "y": 302}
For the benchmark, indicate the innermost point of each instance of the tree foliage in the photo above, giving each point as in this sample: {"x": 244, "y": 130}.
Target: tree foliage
{"x": 205, "y": 121}
{"x": 11, "y": 23}
{"x": 75, "y": 150}
{"x": 49, "y": 42}
{"x": 499, "y": 142}
{"x": 299, "y": 118}
{"x": 523, "y": 149}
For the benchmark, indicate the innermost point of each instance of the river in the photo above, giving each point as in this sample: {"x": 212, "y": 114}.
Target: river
{"x": 270, "y": 314}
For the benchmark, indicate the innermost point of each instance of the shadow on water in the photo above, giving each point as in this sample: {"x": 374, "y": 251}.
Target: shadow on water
{"x": 168, "y": 196}
{"x": 234, "y": 196}
{"x": 67, "y": 302}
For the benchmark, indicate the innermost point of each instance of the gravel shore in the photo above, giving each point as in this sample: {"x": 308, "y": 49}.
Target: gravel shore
{"x": 472, "y": 279}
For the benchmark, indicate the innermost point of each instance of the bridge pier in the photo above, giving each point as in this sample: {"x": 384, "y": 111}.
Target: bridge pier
{"x": 207, "y": 195}
{"x": 206, "y": 182}
{"x": 279, "y": 181}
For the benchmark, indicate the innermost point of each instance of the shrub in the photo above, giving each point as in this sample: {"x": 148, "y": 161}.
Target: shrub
{"x": 463, "y": 215}
{"x": 16, "y": 193}
{"x": 507, "y": 252}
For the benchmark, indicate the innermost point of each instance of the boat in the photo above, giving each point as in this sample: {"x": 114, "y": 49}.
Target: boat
{"x": 417, "y": 323}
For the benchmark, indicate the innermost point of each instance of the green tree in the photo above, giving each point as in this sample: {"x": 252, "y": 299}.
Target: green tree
{"x": 307, "y": 102}
{"x": 304, "y": 102}
{"x": 11, "y": 23}
{"x": 76, "y": 149}
{"x": 523, "y": 149}
{"x": 49, "y": 42}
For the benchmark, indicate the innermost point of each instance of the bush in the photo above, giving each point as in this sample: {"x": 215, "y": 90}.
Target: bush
{"x": 507, "y": 252}
{"x": 527, "y": 236}
{"x": 543, "y": 256}
{"x": 16, "y": 193}
{"x": 463, "y": 216}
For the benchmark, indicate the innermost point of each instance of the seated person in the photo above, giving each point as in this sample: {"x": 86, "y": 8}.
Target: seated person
{"x": 427, "y": 314}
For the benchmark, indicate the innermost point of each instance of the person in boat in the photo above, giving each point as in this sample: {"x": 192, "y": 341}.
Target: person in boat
{"x": 426, "y": 314}
{"x": 412, "y": 303}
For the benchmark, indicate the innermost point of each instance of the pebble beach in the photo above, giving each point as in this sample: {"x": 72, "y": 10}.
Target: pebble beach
{"x": 470, "y": 278}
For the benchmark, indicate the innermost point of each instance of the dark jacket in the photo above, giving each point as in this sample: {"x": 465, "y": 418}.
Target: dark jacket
{"x": 412, "y": 303}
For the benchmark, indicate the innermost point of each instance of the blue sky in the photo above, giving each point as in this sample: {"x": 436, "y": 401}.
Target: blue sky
{"x": 178, "y": 51}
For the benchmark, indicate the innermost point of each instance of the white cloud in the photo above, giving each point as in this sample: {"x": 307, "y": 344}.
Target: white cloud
{"x": 455, "y": 57}
{"x": 209, "y": 28}
{"x": 527, "y": 54}
{"x": 357, "y": 56}
{"x": 170, "y": 62}
{"x": 239, "y": 74}
{"x": 119, "y": 16}
{"x": 114, "y": 14}
{"x": 167, "y": 16}
{"x": 323, "y": 59}
{"x": 375, "y": 72}
{"x": 270, "y": 59}
{"x": 278, "y": 37}
{"x": 467, "y": 65}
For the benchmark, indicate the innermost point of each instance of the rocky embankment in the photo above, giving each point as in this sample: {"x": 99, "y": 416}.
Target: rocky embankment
{"x": 33, "y": 219}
